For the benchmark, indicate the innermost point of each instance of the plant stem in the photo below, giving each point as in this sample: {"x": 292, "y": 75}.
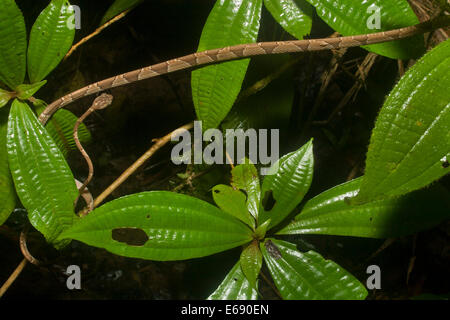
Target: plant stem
{"x": 13, "y": 277}
{"x": 139, "y": 162}
{"x": 96, "y": 32}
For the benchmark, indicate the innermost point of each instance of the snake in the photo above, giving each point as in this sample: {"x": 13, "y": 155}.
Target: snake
{"x": 101, "y": 102}
{"x": 242, "y": 51}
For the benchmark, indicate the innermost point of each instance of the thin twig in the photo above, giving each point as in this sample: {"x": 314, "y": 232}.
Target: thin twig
{"x": 264, "y": 82}
{"x": 401, "y": 68}
{"x": 13, "y": 277}
{"x": 24, "y": 248}
{"x": 96, "y": 32}
{"x": 139, "y": 162}
{"x": 361, "y": 75}
{"x": 326, "y": 79}
{"x": 385, "y": 244}
{"x": 229, "y": 160}
{"x": 189, "y": 179}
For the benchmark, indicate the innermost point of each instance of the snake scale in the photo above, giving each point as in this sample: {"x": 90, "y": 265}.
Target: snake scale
{"x": 239, "y": 52}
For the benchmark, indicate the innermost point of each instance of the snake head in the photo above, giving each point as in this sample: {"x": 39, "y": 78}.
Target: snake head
{"x": 102, "y": 101}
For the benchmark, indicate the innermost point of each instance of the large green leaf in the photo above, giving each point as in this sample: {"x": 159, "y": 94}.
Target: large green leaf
{"x": 50, "y": 39}
{"x": 215, "y": 88}
{"x": 118, "y": 7}
{"x": 235, "y": 286}
{"x": 43, "y": 180}
{"x": 287, "y": 183}
{"x": 160, "y": 226}
{"x": 295, "y": 16}
{"x": 232, "y": 201}
{"x": 410, "y": 144}
{"x": 351, "y": 17}
{"x": 331, "y": 213}
{"x": 308, "y": 276}
{"x": 60, "y": 128}
{"x": 245, "y": 177}
{"x": 7, "y": 193}
{"x": 13, "y": 44}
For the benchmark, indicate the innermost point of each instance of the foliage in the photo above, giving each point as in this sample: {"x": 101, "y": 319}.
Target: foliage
{"x": 408, "y": 151}
{"x": 50, "y": 38}
{"x": 13, "y": 44}
{"x": 215, "y": 88}
{"x": 410, "y": 144}
{"x": 44, "y": 182}
{"x": 351, "y": 17}
{"x": 7, "y": 194}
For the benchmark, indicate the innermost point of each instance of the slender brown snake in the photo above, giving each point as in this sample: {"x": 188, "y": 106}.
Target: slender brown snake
{"x": 239, "y": 52}
{"x": 101, "y": 102}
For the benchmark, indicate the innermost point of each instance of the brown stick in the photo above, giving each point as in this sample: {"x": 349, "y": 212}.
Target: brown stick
{"x": 139, "y": 162}
{"x": 24, "y": 248}
{"x": 96, "y": 32}
{"x": 12, "y": 277}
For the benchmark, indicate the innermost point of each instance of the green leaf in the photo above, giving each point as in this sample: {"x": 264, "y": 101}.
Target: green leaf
{"x": 50, "y": 39}
{"x": 13, "y": 44}
{"x": 60, "y": 128}
{"x": 308, "y": 276}
{"x": 232, "y": 201}
{"x": 245, "y": 177}
{"x": 43, "y": 180}
{"x": 410, "y": 144}
{"x": 25, "y": 91}
{"x": 7, "y": 193}
{"x": 235, "y": 286}
{"x": 118, "y": 7}
{"x": 160, "y": 226}
{"x": 295, "y": 16}
{"x": 351, "y": 17}
{"x": 260, "y": 232}
{"x": 287, "y": 183}
{"x": 331, "y": 213}
{"x": 5, "y": 96}
{"x": 251, "y": 262}
{"x": 215, "y": 88}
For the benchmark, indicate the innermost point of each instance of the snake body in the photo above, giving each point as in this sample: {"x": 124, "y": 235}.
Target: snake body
{"x": 239, "y": 52}
{"x": 101, "y": 102}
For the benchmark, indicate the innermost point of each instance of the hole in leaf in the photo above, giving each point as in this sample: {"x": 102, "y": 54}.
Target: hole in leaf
{"x": 268, "y": 201}
{"x": 130, "y": 236}
{"x": 216, "y": 191}
{"x": 272, "y": 249}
